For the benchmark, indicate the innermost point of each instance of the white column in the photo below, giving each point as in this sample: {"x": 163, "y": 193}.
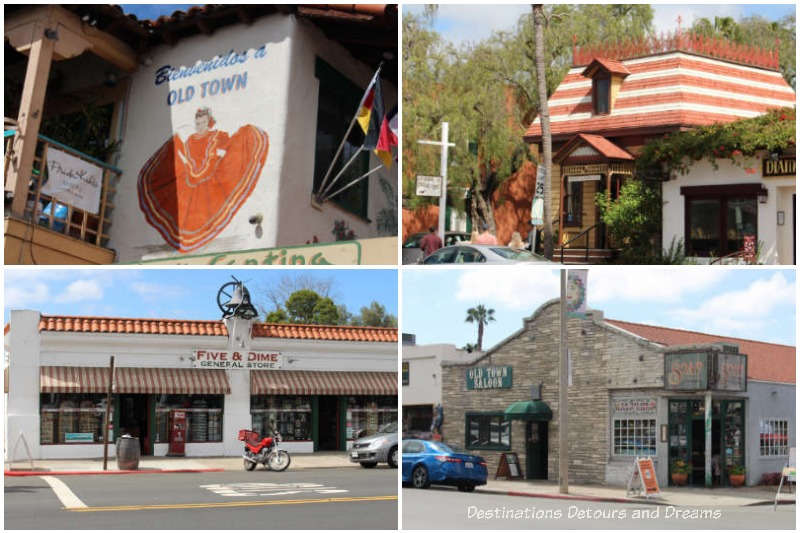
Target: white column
{"x": 237, "y": 404}
{"x": 23, "y": 385}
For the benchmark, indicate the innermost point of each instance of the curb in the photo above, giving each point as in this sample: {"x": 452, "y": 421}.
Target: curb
{"x": 28, "y": 473}
{"x": 585, "y": 498}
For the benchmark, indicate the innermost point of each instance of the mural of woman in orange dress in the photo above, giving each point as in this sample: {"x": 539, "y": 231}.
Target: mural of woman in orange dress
{"x": 189, "y": 191}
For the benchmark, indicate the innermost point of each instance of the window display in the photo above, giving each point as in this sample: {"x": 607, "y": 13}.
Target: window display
{"x": 289, "y": 415}
{"x": 203, "y": 416}
{"x": 365, "y": 414}
{"x": 72, "y": 418}
{"x": 488, "y": 432}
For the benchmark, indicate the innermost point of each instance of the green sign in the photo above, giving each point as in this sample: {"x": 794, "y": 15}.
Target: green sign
{"x": 488, "y": 377}
{"x": 686, "y": 371}
{"x": 78, "y": 437}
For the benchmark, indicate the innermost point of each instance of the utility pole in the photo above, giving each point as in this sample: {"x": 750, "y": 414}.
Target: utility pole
{"x": 108, "y": 412}
{"x": 563, "y": 453}
{"x": 443, "y": 169}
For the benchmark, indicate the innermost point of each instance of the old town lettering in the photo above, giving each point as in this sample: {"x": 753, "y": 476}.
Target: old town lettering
{"x": 780, "y": 167}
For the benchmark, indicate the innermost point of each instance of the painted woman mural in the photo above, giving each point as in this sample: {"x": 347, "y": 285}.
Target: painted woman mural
{"x": 189, "y": 191}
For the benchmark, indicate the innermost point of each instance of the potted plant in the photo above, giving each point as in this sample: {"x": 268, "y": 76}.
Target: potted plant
{"x": 679, "y": 472}
{"x": 736, "y": 475}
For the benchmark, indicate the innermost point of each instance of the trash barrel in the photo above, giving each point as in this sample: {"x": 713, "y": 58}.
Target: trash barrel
{"x": 128, "y": 453}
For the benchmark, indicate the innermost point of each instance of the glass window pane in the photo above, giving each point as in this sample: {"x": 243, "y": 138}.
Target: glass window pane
{"x": 704, "y": 222}
{"x": 741, "y": 221}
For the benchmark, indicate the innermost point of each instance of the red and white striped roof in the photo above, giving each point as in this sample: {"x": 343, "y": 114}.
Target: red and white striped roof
{"x": 73, "y": 379}
{"x": 675, "y": 89}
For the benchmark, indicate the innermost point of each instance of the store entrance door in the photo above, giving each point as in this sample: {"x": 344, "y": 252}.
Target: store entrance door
{"x": 328, "y": 423}
{"x": 135, "y": 420}
{"x": 536, "y": 450}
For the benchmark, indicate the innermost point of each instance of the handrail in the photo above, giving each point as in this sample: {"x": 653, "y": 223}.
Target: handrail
{"x": 78, "y": 153}
{"x": 576, "y": 237}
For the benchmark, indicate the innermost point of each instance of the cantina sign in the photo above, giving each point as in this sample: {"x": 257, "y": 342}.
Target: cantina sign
{"x": 780, "y": 167}
{"x": 237, "y": 360}
{"x": 489, "y": 377}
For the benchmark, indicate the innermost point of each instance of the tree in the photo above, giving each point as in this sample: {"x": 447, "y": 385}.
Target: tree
{"x": 482, "y": 316}
{"x": 277, "y": 316}
{"x": 375, "y": 315}
{"x": 547, "y": 139}
{"x": 289, "y": 284}
{"x": 325, "y": 312}
{"x": 307, "y": 307}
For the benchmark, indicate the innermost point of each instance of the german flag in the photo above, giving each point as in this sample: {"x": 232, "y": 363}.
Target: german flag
{"x": 366, "y": 113}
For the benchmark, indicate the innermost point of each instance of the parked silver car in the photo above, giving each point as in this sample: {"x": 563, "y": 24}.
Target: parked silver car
{"x": 481, "y": 253}
{"x": 378, "y": 448}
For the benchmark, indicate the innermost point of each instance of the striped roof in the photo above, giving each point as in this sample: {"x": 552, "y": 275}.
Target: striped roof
{"x": 327, "y": 383}
{"x": 675, "y": 89}
{"x": 765, "y": 361}
{"x": 88, "y": 324}
{"x": 66, "y": 379}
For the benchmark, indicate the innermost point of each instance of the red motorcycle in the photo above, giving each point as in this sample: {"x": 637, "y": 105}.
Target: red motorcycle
{"x": 264, "y": 451}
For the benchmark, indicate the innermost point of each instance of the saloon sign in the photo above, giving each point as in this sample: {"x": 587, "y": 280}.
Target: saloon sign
{"x": 252, "y": 360}
{"x": 489, "y": 377}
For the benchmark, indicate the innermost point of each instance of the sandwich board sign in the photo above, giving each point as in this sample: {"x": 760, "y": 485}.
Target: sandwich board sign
{"x": 509, "y": 466}
{"x": 643, "y": 481}
{"x": 789, "y": 473}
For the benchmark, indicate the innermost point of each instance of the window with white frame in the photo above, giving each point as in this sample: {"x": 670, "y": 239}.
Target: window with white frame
{"x": 635, "y": 436}
{"x": 774, "y": 437}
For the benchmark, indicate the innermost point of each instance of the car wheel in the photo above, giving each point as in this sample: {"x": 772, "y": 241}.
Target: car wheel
{"x": 419, "y": 477}
{"x": 393, "y": 457}
{"x": 462, "y": 487}
{"x": 369, "y": 465}
{"x": 469, "y": 487}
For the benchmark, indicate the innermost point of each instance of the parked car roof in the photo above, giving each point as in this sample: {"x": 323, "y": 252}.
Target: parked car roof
{"x": 481, "y": 253}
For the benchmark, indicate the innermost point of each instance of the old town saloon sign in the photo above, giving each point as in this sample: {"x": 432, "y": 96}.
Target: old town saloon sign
{"x": 779, "y": 167}
{"x": 253, "y": 360}
{"x": 488, "y": 377}
{"x": 705, "y": 371}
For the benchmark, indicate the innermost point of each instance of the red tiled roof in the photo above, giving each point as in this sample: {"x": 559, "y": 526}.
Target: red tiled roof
{"x": 88, "y": 324}
{"x": 611, "y": 65}
{"x": 599, "y": 143}
{"x": 765, "y": 361}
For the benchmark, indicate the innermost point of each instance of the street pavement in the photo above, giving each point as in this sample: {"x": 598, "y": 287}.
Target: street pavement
{"x": 446, "y": 508}
{"x": 325, "y": 498}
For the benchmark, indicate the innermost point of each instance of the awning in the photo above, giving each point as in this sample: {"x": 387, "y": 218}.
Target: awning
{"x": 325, "y": 383}
{"x": 530, "y": 410}
{"x": 66, "y": 379}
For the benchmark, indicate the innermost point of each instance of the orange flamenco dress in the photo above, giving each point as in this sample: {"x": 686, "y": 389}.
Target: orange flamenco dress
{"x": 190, "y": 191}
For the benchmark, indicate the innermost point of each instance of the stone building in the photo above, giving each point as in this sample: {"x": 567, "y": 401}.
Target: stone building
{"x": 624, "y": 401}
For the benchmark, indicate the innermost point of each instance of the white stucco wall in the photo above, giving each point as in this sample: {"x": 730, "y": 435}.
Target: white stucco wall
{"x": 425, "y": 371}
{"x": 777, "y": 240}
{"x": 31, "y": 349}
{"x": 298, "y": 220}
{"x": 280, "y": 98}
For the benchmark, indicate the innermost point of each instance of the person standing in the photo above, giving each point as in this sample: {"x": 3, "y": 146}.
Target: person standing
{"x": 486, "y": 237}
{"x": 430, "y": 242}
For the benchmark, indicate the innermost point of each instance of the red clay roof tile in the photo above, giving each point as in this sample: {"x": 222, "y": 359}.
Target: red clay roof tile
{"x": 213, "y": 328}
{"x": 765, "y": 361}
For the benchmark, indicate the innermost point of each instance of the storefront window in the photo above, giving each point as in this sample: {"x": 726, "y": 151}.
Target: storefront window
{"x": 635, "y": 437}
{"x": 774, "y": 437}
{"x": 716, "y": 224}
{"x": 365, "y": 414}
{"x": 488, "y": 432}
{"x": 288, "y": 415}
{"x": 574, "y": 201}
{"x": 72, "y": 418}
{"x": 203, "y": 416}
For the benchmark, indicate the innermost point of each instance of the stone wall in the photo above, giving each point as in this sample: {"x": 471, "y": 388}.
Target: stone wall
{"x": 602, "y": 358}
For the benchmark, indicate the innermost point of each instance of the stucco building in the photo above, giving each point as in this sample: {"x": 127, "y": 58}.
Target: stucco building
{"x": 225, "y": 119}
{"x": 634, "y": 390}
{"x": 319, "y": 386}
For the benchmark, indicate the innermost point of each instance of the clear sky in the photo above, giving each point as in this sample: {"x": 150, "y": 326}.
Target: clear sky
{"x": 175, "y": 293}
{"x": 756, "y": 304}
{"x": 473, "y": 22}
{"x": 153, "y": 11}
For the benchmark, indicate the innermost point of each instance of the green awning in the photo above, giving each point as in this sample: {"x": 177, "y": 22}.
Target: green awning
{"x": 530, "y": 410}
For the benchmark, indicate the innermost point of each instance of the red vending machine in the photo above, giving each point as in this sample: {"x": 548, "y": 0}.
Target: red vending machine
{"x": 177, "y": 433}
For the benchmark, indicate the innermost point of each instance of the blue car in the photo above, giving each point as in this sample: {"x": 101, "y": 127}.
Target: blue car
{"x": 427, "y": 462}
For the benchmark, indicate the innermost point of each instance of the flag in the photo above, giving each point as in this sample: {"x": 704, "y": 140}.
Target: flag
{"x": 576, "y": 293}
{"x": 365, "y": 108}
{"x": 387, "y": 139}
{"x": 373, "y": 119}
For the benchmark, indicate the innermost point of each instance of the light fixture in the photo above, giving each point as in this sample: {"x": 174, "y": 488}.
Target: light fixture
{"x": 781, "y": 218}
{"x": 762, "y": 196}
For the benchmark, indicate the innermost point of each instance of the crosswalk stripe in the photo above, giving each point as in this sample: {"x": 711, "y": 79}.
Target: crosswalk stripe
{"x": 64, "y": 493}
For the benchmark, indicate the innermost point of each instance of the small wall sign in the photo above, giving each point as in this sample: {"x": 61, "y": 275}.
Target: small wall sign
{"x": 79, "y": 437}
{"x": 780, "y": 167}
{"x": 635, "y": 406}
{"x": 489, "y": 377}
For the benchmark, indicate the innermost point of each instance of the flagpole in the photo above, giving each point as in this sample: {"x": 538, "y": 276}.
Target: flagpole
{"x": 321, "y": 192}
{"x": 350, "y": 127}
{"x": 354, "y": 182}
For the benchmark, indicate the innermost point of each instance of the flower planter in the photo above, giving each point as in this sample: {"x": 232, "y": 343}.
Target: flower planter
{"x": 679, "y": 479}
{"x": 737, "y": 480}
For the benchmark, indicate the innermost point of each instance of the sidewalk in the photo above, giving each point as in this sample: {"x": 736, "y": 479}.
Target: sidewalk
{"x": 686, "y": 496}
{"x": 149, "y": 464}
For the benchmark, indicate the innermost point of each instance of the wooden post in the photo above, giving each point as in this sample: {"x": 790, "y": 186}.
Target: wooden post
{"x": 108, "y": 412}
{"x": 30, "y": 117}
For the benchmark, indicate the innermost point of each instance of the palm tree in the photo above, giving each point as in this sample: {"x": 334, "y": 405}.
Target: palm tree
{"x": 482, "y": 316}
